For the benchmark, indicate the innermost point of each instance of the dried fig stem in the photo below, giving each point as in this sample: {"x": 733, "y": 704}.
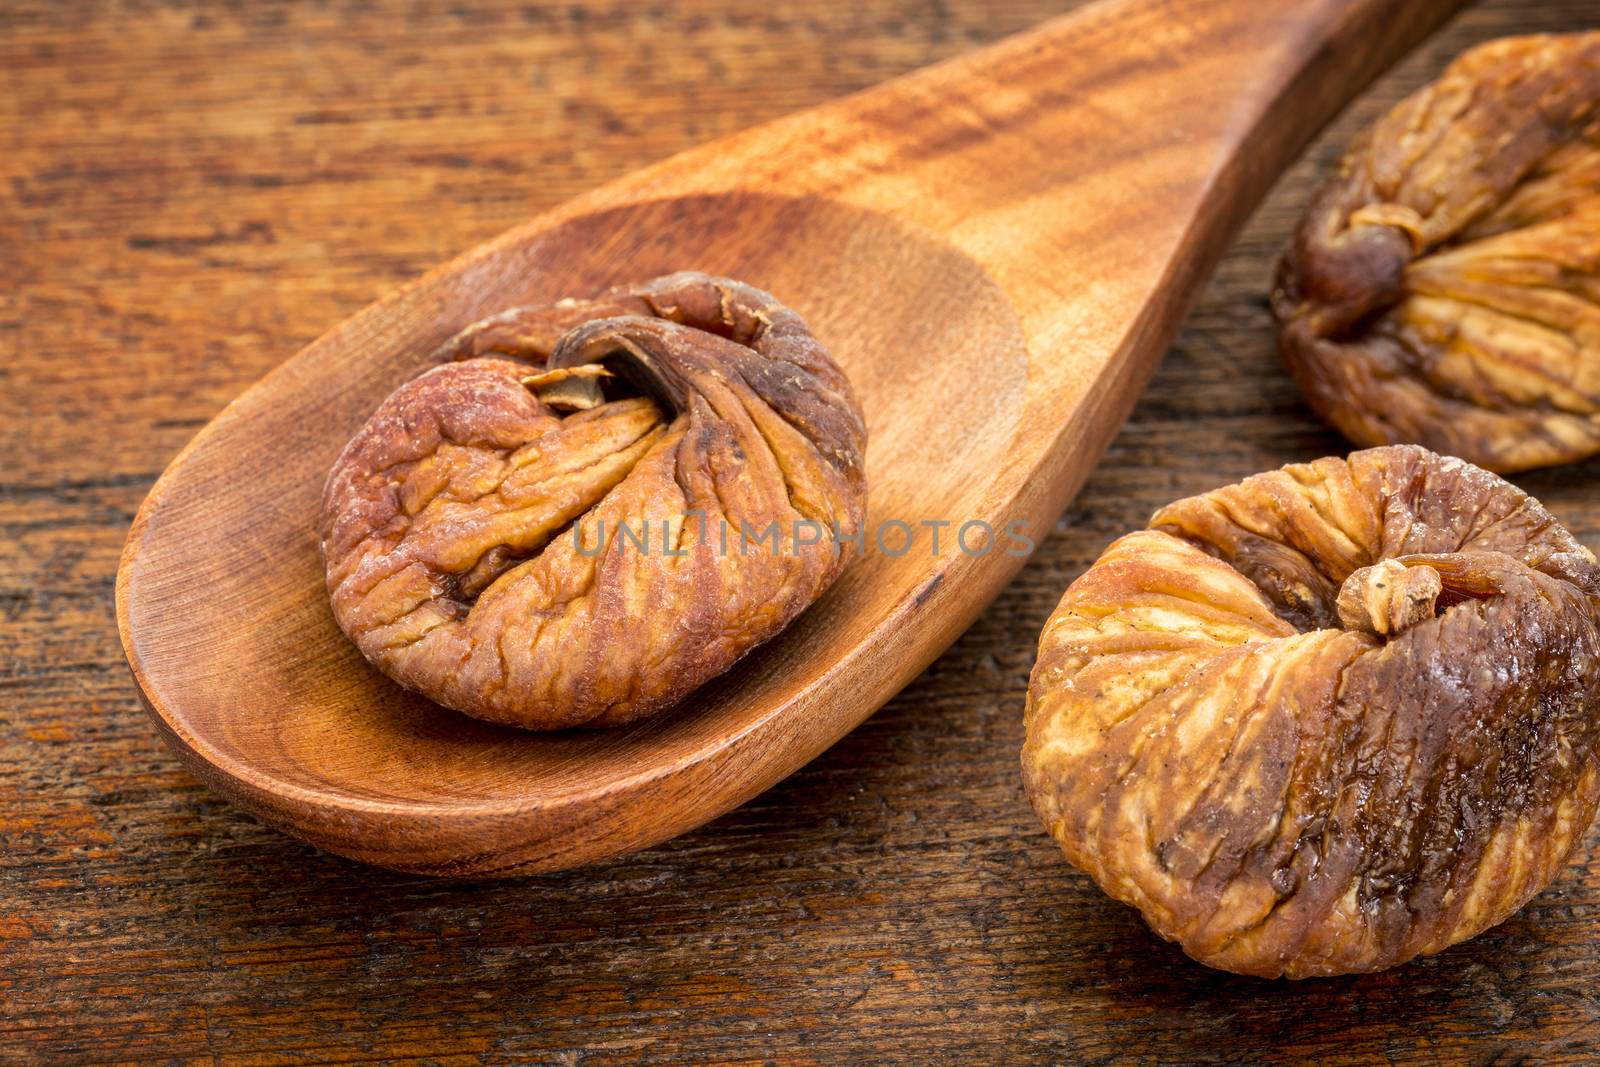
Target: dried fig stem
{"x": 1388, "y": 597}
{"x": 569, "y": 388}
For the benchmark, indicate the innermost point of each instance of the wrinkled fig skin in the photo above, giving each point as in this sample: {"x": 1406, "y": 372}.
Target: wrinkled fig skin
{"x": 1219, "y": 732}
{"x": 1444, "y": 288}
{"x": 449, "y": 522}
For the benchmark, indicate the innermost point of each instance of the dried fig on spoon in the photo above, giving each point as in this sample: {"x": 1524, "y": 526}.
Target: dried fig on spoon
{"x": 599, "y": 505}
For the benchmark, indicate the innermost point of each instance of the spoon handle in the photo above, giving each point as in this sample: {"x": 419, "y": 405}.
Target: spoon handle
{"x": 1126, "y": 108}
{"x": 1113, "y": 114}
{"x": 1096, "y": 166}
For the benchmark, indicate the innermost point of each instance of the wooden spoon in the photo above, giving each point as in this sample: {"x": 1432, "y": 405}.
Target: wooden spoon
{"x": 997, "y": 250}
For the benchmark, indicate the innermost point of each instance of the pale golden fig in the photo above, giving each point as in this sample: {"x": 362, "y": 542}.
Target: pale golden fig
{"x": 1326, "y": 719}
{"x": 1444, "y": 288}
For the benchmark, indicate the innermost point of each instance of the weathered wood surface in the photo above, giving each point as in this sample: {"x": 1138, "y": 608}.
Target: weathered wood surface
{"x": 995, "y": 258}
{"x": 188, "y": 195}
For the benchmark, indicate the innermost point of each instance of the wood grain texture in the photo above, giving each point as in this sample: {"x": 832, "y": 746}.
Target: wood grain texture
{"x": 994, "y": 255}
{"x": 189, "y": 195}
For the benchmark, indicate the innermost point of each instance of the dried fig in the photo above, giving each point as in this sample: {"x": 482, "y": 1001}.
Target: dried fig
{"x": 1328, "y": 718}
{"x": 1444, "y": 288}
{"x": 599, "y": 505}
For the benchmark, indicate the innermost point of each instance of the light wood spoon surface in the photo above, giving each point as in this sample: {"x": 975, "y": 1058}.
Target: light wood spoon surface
{"x": 996, "y": 249}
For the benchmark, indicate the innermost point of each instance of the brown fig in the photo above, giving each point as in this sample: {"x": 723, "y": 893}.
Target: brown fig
{"x": 599, "y": 505}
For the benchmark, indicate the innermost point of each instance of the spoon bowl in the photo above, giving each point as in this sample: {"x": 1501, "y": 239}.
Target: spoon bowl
{"x": 995, "y": 250}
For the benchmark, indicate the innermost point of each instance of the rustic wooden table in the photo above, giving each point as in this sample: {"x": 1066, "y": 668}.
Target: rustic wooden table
{"x": 189, "y": 193}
